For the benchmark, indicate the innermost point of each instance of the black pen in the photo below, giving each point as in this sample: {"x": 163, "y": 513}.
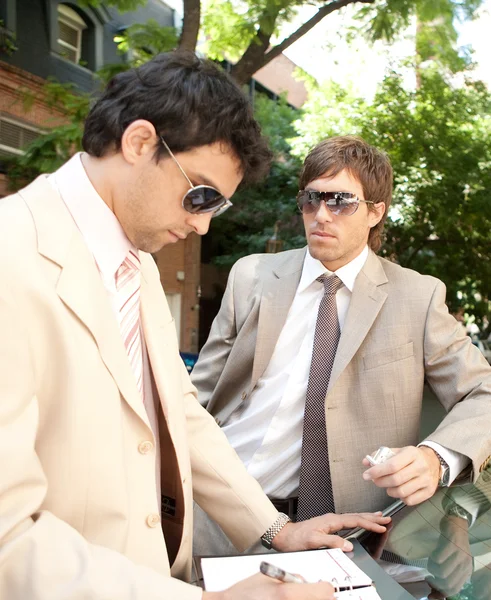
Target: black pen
{"x": 277, "y": 573}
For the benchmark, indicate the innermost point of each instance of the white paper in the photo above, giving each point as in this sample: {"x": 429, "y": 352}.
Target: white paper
{"x": 368, "y": 593}
{"x": 317, "y": 565}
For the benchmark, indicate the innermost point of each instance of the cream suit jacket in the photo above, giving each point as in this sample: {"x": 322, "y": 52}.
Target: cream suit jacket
{"x": 397, "y": 334}
{"x": 78, "y": 504}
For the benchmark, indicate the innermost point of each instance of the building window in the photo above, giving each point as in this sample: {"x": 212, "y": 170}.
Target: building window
{"x": 15, "y": 136}
{"x": 70, "y": 29}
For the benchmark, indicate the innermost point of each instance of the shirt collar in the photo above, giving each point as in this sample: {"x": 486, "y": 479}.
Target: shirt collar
{"x": 97, "y": 223}
{"x": 313, "y": 268}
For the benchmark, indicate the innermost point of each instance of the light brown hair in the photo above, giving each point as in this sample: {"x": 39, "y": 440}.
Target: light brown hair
{"x": 364, "y": 162}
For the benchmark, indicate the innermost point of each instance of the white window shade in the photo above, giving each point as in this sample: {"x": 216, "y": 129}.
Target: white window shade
{"x": 15, "y": 136}
{"x": 70, "y": 28}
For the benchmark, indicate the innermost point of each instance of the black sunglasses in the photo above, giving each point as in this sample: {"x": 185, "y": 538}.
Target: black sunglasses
{"x": 339, "y": 203}
{"x": 201, "y": 199}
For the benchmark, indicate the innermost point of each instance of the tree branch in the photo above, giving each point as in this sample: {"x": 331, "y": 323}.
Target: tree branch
{"x": 303, "y": 29}
{"x": 245, "y": 68}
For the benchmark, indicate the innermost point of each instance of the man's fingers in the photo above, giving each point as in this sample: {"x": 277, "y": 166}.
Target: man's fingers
{"x": 321, "y": 591}
{"x": 403, "y": 458}
{"x": 418, "y": 497}
{"x": 325, "y": 540}
{"x": 376, "y": 516}
{"x": 399, "y": 478}
{"x": 352, "y": 517}
{"x": 369, "y": 524}
{"x": 316, "y": 591}
{"x": 406, "y": 487}
{"x": 260, "y": 586}
{"x": 370, "y": 521}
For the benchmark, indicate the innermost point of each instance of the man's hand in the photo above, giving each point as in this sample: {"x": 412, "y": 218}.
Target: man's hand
{"x": 450, "y": 564}
{"x": 260, "y": 587}
{"x": 317, "y": 532}
{"x": 411, "y": 475}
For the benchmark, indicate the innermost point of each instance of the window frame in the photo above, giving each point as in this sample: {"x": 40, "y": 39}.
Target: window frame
{"x": 70, "y": 18}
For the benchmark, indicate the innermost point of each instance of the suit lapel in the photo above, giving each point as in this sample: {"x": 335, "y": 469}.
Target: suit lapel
{"x": 80, "y": 286}
{"x": 366, "y": 301}
{"x": 276, "y": 298}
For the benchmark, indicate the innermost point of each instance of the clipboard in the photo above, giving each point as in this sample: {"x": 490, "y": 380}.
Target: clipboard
{"x": 386, "y": 587}
{"x": 331, "y": 565}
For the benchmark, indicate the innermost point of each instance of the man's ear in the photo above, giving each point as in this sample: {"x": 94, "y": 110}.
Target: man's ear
{"x": 377, "y": 214}
{"x": 138, "y": 141}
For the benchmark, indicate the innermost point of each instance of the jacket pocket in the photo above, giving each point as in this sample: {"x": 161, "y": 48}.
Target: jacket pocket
{"x": 390, "y": 355}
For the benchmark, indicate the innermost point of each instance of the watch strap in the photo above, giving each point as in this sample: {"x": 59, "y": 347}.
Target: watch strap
{"x": 276, "y": 527}
{"x": 444, "y": 471}
{"x": 444, "y": 477}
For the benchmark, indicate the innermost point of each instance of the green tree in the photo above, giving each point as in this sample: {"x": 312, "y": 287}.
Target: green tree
{"x": 439, "y": 140}
{"x": 240, "y": 29}
{"x": 248, "y": 32}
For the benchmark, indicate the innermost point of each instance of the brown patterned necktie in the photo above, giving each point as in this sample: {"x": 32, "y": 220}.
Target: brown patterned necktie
{"x": 315, "y": 495}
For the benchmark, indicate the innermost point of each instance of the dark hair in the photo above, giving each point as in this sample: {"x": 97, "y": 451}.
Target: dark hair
{"x": 190, "y": 101}
{"x": 369, "y": 166}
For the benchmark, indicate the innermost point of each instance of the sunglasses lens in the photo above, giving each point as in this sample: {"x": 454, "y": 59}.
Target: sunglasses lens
{"x": 339, "y": 203}
{"x": 203, "y": 199}
{"x": 343, "y": 203}
{"x": 308, "y": 202}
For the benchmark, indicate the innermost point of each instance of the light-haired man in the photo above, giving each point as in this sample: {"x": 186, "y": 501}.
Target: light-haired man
{"x": 318, "y": 356}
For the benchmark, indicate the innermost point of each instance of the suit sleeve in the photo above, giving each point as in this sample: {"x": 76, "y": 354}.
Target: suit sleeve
{"x": 461, "y": 378}
{"x": 221, "y": 484}
{"x": 215, "y": 352}
{"x": 41, "y": 556}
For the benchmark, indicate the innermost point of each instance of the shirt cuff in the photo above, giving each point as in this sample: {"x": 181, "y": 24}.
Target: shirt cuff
{"x": 456, "y": 462}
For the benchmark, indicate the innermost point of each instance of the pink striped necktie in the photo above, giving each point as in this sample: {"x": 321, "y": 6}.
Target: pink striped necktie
{"x": 128, "y": 298}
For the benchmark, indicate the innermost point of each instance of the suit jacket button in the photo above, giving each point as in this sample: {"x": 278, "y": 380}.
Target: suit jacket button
{"x": 153, "y": 520}
{"x": 145, "y": 447}
{"x": 217, "y": 421}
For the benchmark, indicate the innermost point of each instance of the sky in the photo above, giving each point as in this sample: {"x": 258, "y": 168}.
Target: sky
{"x": 325, "y": 53}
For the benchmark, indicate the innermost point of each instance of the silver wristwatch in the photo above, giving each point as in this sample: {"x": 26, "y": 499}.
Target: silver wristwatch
{"x": 276, "y": 527}
{"x": 444, "y": 472}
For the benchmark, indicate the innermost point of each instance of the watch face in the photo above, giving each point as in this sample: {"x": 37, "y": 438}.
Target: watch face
{"x": 444, "y": 476}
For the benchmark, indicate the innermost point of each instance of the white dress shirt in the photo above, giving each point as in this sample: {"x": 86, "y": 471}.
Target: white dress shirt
{"x": 267, "y": 431}
{"x": 109, "y": 245}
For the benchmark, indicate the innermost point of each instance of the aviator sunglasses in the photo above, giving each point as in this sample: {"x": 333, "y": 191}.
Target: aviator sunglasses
{"x": 200, "y": 199}
{"x": 339, "y": 203}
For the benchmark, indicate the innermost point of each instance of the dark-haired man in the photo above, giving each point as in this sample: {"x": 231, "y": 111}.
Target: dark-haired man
{"x": 319, "y": 356}
{"x": 102, "y": 440}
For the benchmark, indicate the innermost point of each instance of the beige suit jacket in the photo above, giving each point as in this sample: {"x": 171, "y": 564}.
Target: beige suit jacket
{"x": 397, "y": 334}
{"x": 78, "y": 503}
